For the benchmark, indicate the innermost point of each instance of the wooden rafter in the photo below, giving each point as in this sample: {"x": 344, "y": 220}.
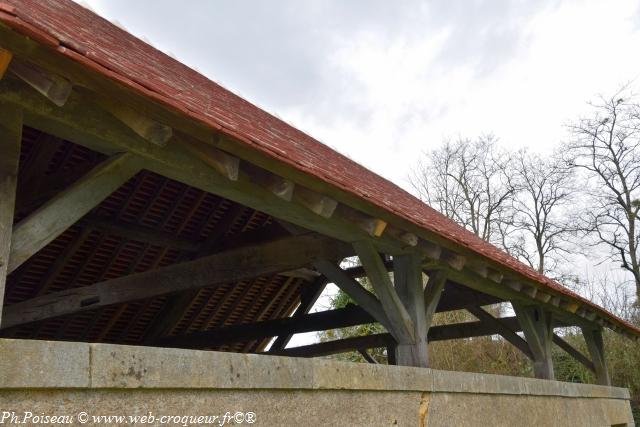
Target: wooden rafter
{"x": 230, "y": 266}
{"x": 49, "y": 221}
{"x": 10, "y": 141}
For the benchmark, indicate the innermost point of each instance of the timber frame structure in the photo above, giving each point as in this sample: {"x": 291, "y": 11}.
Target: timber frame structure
{"x": 141, "y": 203}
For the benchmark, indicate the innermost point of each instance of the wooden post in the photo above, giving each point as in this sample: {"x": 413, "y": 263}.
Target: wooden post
{"x": 537, "y": 325}
{"x": 407, "y": 271}
{"x": 402, "y": 327}
{"x": 593, "y": 338}
{"x": 10, "y": 139}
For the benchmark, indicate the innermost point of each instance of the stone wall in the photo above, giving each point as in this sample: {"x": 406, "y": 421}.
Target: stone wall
{"x": 170, "y": 385}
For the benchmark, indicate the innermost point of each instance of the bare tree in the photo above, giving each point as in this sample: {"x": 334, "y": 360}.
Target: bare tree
{"x": 606, "y": 145}
{"x": 543, "y": 220}
{"x": 468, "y": 181}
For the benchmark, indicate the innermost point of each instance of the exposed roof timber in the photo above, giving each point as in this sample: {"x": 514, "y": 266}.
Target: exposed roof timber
{"x": 144, "y": 126}
{"x": 55, "y": 88}
{"x": 81, "y": 121}
{"x": 214, "y": 270}
{"x": 77, "y": 70}
{"x": 351, "y": 315}
{"x": 45, "y": 224}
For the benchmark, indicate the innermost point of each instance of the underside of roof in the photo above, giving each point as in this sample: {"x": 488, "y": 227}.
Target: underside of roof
{"x": 92, "y": 253}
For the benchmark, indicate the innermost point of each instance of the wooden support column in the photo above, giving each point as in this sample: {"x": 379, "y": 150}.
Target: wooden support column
{"x": 407, "y": 272}
{"x": 402, "y": 327}
{"x": 10, "y": 139}
{"x": 593, "y": 338}
{"x": 537, "y": 325}
{"x": 54, "y": 217}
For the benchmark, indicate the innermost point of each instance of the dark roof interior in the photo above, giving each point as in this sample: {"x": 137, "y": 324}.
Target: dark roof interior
{"x": 86, "y": 254}
{"x": 192, "y": 223}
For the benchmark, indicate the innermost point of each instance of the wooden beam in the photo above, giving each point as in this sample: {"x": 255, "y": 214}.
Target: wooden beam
{"x": 54, "y": 217}
{"x": 317, "y": 203}
{"x": 595, "y": 345}
{"x": 144, "y": 126}
{"x": 573, "y": 352}
{"x": 5, "y": 60}
{"x": 140, "y": 233}
{"x": 537, "y": 325}
{"x": 432, "y": 293}
{"x": 55, "y": 88}
{"x": 402, "y": 327}
{"x": 84, "y": 122}
{"x": 10, "y": 141}
{"x": 283, "y": 188}
{"x": 338, "y": 346}
{"x": 355, "y": 290}
{"x": 223, "y": 163}
{"x": 86, "y": 78}
{"x": 229, "y": 266}
{"x": 339, "y": 318}
{"x": 309, "y": 297}
{"x": 503, "y": 329}
{"x": 374, "y": 227}
{"x": 407, "y": 272}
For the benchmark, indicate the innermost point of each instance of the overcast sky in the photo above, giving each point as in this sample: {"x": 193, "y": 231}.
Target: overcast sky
{"x": 382, "y": 81}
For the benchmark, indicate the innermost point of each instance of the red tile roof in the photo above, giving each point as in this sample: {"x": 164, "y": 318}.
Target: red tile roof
{"x": 78, "y": 33}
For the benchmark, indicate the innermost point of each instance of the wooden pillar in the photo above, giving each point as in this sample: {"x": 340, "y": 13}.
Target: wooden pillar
{"x": 595, "y": 345}
{"x": 537, "y": 325}
{"x": 399, "y": 321}
{"x": 10, "y": 139}
{"x": 407, "y": 271}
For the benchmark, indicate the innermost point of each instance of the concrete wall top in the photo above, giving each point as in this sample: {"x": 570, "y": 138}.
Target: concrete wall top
{"x": 47, "y": 364}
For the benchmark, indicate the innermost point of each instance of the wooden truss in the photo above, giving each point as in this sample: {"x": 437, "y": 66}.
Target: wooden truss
{"x": 430, "y": 273}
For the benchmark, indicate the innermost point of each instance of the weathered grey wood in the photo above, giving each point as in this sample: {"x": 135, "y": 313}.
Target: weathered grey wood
{"x": 225, "y": 164}
{"x": 141, "y": 233}
{"x": 54, "y": 217}
{"x": 537, "y": 325}
{"x": 436, "y": 333}
{"x": 351, "y": 315}
{"x": 149, "y": 129}
{"x": 503, "y": 329}
{"x": 309, "y": 297}
{"x": 343, "y": 317}
{"x": 593, "y": 338}
{"x": 99, "y": 84}
{"x": 10, "y": 141}
{"x": 573, "y": 352}
{"x": 82, "y": 122}
{"x": 315, "y": 202}
{"x": 402, "y": 327}
{"x": 432, "y": 293}
{"x": 55, "y": 88}
{"x": 338, "y": 346}
{"x": 355, "y": 290}
{"x": 407, "y": 273}
{"x": 229, "y": 266}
